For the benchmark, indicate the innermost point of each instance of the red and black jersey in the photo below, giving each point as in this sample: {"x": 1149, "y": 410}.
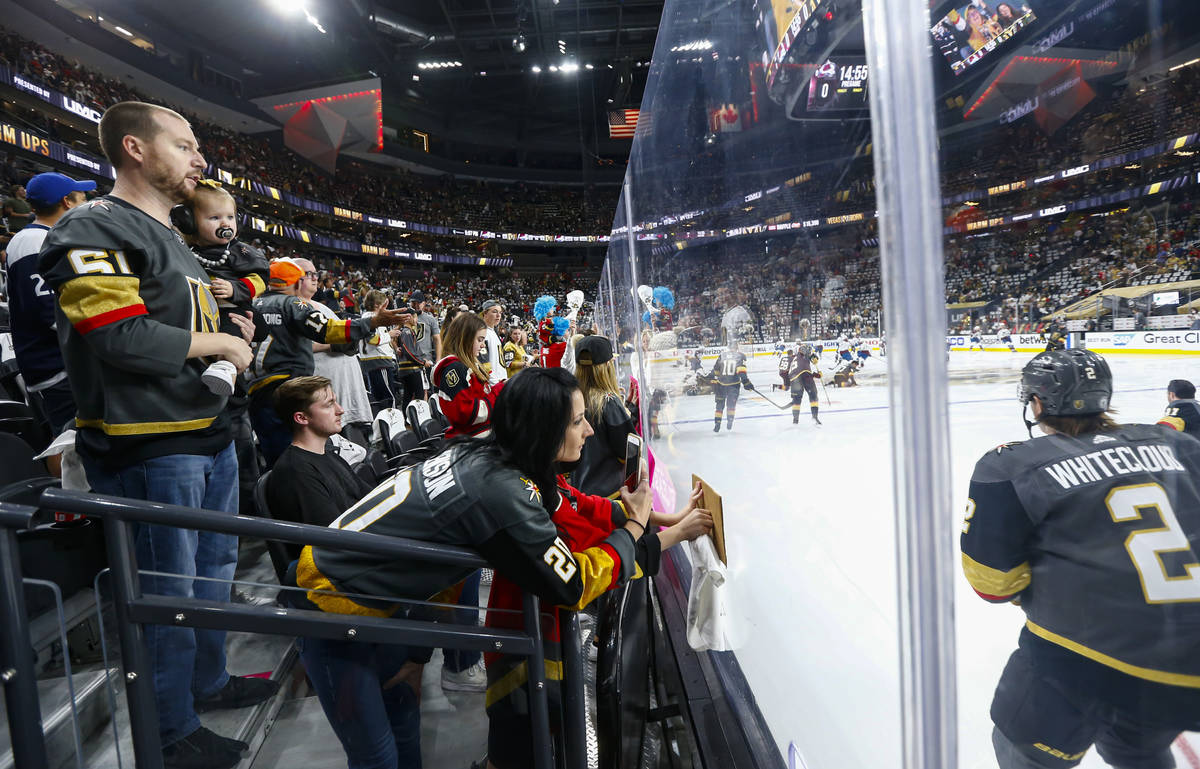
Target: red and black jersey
{"x": 463, "y": 399}
{"x": 606, "y": 556}
{"x": 552, "y": 355}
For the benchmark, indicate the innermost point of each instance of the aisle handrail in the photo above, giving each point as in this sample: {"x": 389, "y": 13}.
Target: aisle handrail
{"x": 17, "y": 670}
{"x": 134, "y": 610}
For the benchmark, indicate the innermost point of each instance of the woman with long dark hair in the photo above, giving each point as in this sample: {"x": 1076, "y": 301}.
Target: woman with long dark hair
{"x": 592, "y": 527}
{"x": 503, "y": 496}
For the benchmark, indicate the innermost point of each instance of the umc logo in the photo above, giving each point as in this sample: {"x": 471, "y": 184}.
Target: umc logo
{"x": 82, "y": 110}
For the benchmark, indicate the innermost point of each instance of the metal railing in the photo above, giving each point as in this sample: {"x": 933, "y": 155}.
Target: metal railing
{"x": 16, "y": 655}
{"x": 135, "y": 609}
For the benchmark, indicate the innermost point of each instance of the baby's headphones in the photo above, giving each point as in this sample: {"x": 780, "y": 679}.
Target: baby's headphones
{"x": 182, "y": 215}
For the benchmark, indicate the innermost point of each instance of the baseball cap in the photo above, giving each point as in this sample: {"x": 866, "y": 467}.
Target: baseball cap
{"x": 593, "y": 350}
{"x": 285, "y": 272}
{"x": 489, "y": 304}
{"x": 416, "y": 297}
{"x": 49, "y": 188}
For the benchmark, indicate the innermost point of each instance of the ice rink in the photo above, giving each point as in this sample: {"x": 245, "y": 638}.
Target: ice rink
{"x": 810, "y": 535}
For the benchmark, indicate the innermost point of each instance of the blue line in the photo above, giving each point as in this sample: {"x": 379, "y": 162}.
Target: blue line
{"x": 829, "y": 410}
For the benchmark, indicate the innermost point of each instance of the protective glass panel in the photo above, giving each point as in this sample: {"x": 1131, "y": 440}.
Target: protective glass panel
{"x": 745, "y": 263}
{"x": 1067, "y": 136}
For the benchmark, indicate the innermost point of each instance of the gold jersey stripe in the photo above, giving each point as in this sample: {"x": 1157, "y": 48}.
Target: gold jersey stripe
{"x": 91, "y": 295}
{"x": 1174, "y": 422}
{"x": 1148, "y": 674}
{"x": 323, "y": 593}
{"x": 145, "y": 428}
{"x": 991, "y": 581}
{"x": 254, "y": 280}
{"x": 264, "y": 382}
{"x": 514, "y": 678}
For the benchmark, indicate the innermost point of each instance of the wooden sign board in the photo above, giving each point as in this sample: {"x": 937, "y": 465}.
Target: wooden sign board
{"x": 711, "y": 501}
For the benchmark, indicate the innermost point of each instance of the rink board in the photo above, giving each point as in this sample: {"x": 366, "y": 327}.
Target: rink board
{"x": 810, "y": 520}
{"x": 1149, "y": 342}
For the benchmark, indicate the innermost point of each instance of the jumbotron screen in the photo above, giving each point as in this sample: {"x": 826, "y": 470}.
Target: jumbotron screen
{"x": 968, "y": 33}
{"x": 780, "y": 22}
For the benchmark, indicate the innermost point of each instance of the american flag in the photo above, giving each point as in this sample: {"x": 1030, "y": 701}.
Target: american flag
{"x": 622, "y": 123}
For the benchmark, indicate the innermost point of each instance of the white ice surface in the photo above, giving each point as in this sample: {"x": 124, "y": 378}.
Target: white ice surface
{"x": 809, "y": 520}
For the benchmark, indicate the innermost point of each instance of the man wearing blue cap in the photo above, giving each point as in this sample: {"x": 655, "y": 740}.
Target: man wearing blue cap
{"x": 31, "y": 302}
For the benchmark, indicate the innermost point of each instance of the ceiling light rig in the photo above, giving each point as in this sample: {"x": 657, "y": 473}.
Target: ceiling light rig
{"x": 695, "y": 45}
{"x": 313, "y": 21}
{"x": 439, "y": 64}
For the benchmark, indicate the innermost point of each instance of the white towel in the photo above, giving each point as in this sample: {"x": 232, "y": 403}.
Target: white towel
{"x": 708, "y": 624}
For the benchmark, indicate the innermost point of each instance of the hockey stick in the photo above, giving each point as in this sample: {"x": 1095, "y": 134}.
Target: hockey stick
{"x": 768, "y": 400}
{"x": 828, "y": 402}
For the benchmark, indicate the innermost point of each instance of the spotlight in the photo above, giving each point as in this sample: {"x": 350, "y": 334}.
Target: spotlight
{"x": 518, "y": 43}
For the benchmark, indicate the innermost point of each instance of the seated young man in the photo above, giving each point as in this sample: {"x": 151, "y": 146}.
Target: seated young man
{"x": 309, "y": 484}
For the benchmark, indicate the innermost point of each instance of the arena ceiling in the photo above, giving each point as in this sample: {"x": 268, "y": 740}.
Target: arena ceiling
{"x": 486, "y": 92}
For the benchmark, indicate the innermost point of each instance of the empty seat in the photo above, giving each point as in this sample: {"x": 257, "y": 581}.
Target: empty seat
{"x": 404, "y": 442}
{"x": 433, "y": 428}
{"x": 280, "y": 552}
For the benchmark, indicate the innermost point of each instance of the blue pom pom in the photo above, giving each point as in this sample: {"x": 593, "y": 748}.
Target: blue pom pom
{"x": 646, "y": 317}
{"x": 544, "y": 306}
{"x": 664, "y": 298}
{"x": 561, "y": 325}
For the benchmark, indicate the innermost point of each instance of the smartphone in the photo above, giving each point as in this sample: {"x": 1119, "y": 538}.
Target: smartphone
{"x": 633, "y": 460}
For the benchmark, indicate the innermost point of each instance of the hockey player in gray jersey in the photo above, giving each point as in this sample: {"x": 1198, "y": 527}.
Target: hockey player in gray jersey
{"x": 1091, "y": 528}
{"x": 728, "y": 376}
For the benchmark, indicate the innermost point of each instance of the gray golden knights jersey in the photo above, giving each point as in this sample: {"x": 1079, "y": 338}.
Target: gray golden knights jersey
{"x": 293, "y": 326}
{"x": 730, "y": 369}
{"x": 129, "y": 294}
{"x": 1182, "y": 415}
{"x": 1097, "y": 536}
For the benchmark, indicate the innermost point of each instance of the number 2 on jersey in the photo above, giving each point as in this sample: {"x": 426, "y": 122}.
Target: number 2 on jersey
{"x": 1147, "y": 546}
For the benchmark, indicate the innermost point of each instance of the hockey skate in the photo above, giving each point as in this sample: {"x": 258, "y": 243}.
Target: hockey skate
{"x": 816, "y": 420}
{"x": 220, "y": 377}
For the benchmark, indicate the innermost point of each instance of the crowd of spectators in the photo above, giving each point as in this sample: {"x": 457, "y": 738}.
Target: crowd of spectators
{"x": 427, "y": 198}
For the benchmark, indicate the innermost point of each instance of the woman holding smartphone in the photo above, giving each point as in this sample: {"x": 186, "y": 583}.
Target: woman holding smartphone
{"x": 602, "y": 464}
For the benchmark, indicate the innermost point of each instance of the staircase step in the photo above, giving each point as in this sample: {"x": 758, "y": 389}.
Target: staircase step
{"x": 57, "y": 725}
{"x": 246, "y": 654}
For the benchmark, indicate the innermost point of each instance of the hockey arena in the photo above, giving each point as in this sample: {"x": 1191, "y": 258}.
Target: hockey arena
{"x": 599, "y": 384}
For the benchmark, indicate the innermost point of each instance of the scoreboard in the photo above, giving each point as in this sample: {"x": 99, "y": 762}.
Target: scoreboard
{"x": 839, "y": 85}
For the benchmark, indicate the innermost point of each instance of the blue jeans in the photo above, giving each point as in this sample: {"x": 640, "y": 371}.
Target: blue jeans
{"x": 378, "y": 728}
{"x": 458, "y": 660}
{"x": 185, "y": 662}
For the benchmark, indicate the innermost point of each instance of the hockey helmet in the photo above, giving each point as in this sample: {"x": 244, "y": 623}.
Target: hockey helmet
{"x": 1069, "y": 383}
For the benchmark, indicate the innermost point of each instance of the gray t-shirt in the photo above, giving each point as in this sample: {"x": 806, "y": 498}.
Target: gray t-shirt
{"x": 427, "y": 327}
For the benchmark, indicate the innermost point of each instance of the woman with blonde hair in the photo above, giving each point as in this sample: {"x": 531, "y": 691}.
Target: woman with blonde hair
{"x": 601, "y": 468}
